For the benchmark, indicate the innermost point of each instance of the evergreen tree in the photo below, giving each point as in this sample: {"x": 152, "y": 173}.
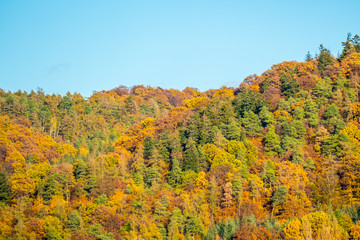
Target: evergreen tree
{"x": 297, "y": 156}
{"x": 288, "y": 143}
{"x": 191, "y": 157}
{"x": 212, "y": 233}
{"x": 162, "y": 231}
{"x": 152, "y": 176}
{"x": 161, "y": 207}
{"x": 176, "y": 225}
{"x": 91, "y": 183}
{"x": 311, "y": 112}
{"x": 298, "y": 113}
{"x": 194, "y": 227}
{"x": 80, "y": 170}
{"x": 332, "y": 111}
{"x": 323, "y": 90}
{"x": 308, "y": 57}
{"x": 194, "y": 128}
{"x": 50, "y": 189}
{"x": 349, "y": 47}
{"x": 234, "y": 131}
{"x": 163, "y": 146}
{"x": 289, "y": 86}
{"x": 175, "y": 146}
{"x": 269, "y": 176}
{"x": 227, "y": 229}
{"x": 251, "y": 123}
{"x": 5, "y": 193}
{"x": 74, "y": 221}
{"x": 266, "y": 117}
{"x": 324, "y": 58}
{"x": 226, "y": 112}
{"x": 246, "y": 100}
{"x": 206, "y": 130}
{"x": 284, "y": 105}
{"x": 237, "y": 187}
{"x": 272, "y": 142}
{"x": 155, "y": 158}
{"x": 309, "y": 164}
{"x": 148, "y": 146}
{"x": 175, "y": 173}
{"x": 299, "y": 127}
{"x": 280, "y": 195}
{"x": 102, "y": 200}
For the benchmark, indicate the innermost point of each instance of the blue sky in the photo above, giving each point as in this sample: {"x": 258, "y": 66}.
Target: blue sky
{"x": 85, "y": 46}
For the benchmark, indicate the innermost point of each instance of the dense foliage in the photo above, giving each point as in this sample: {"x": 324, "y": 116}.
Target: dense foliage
{"x": 276, "y": 158}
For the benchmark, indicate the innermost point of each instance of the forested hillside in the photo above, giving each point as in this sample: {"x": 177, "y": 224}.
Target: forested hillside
{"x": 276, "y": 158}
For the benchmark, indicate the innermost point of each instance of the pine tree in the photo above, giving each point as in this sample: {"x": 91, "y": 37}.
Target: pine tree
{"x": 161, "y": 207}
{"x": 194, "y": 227}
{"x": 173, "y": 230}
{"x": 5, "y": 193}
{"x": 155, "y": 158}
{"x": 279, "y": 197}
{"x": 50, "y": 189}
{"x": 193, "y": 129}
{"x": 102, "y": 200}
{"x": 266, "y": 117}
{"x": 269, "y": 176}
{"x": 288, "y": 143}
{"x": 176, "y": 225}
{"x": 175, "y": 173}
{"x": 227, "y": 229}
{"x": 148, "y": 146}
{"x": 324, "y": 58}
{"x": 162, "y": 231}
{"x": 272, "y": 142}
{"x": 237, "y": 188}
{"x": 297, "y": 156}
{"x": 91, "y": 183}
{"x": 311, "y": 112}
{"x": 290, "y": 87}
{"x": 74, "y": 221}
{"x": 251, "y": 123}
{"x": 163, "y": 146}
{"x": 206, "y": 130}
{"x": 234, "y": 131}
{"x": 191, "y": 157}
{"x": 175, "y": 147}
{"x": 348, "y": 47}
{"x": 308, "y": 57}
{"x": 80, "y": 170}
{"x": 309, "y": 164}
{"x": 152, "y": 176}
{"x": 300, "y": 129}
{"x": 226, "y": 112}
{"x": 298, "y": 113}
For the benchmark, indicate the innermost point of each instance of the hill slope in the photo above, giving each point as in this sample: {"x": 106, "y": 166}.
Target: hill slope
{"x": 276, "y": 158}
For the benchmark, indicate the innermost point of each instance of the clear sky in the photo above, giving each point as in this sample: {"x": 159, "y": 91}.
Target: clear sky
{"x": 87, "y": 45}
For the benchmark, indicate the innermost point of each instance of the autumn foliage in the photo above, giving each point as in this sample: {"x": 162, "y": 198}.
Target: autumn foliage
{"x": 276, "y": 158}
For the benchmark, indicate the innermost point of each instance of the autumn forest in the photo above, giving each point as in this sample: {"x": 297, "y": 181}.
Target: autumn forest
{"x": 276, "y": 158}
